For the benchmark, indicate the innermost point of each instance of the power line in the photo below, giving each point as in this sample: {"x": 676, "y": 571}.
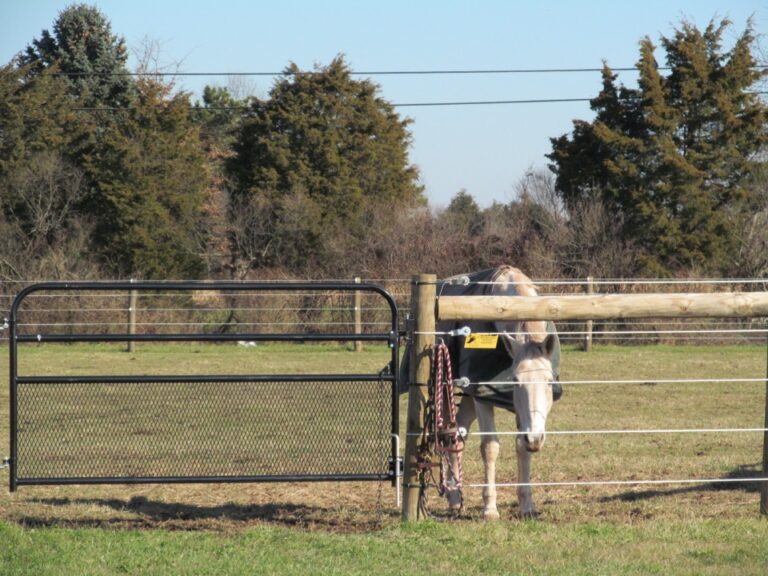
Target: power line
{"x": 395, "y": 105}
{"x": 363, "y": 72}
{"x": 491, "y": 102}
{"x": 500, "y": 102}
{"x": 433, "y": 72}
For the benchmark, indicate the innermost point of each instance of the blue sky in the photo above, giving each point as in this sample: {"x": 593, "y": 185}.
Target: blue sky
{"x": 483, "y": 149}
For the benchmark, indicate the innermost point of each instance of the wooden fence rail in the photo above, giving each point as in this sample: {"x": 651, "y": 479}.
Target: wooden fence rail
{"x": 603, "y": 306}
{"x": 427, "y": 310}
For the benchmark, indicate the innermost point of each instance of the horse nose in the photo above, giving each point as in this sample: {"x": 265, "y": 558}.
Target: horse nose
{"x": 535, "y": 436}
{"x": 534, "y": 442}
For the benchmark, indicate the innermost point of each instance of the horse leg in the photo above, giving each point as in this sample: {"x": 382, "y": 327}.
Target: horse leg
{"x": 489, "y": 450}
{"x": 524, "y": 493}
{"x": 464, "y": 419}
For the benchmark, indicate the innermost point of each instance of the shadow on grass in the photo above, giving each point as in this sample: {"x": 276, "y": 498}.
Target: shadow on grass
{"x": 740, "y": 477}
{"x": 146, "y": 513}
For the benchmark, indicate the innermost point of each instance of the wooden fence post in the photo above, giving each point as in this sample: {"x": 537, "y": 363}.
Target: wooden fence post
{"x": 764, "y": 485}
{"x": 588, "y": 336}
{"x": 423, "y": 292}
{"x": 358, "y": 316}
{"x": 133, "y": 298}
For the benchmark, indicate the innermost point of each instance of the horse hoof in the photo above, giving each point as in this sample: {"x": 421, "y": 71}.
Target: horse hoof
{"x": 490, "y": 515}
{"x": 530, "y": 515}
{"x": 455, "y": 501}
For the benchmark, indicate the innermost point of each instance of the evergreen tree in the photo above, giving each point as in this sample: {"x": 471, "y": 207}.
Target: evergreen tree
{"x": 463, "y": 214}
{"x": 673, "y": 156}
{"x": 36, "y": 119}
{"x": 37, "y": 116}
{"x": 40, "y": 183}
{"x": 84, "y": 50}
{"x": 219, "y": 119}
{"x": 139, "y": 165}
{"x": 149, "y": 171}
{"x": 316, "y": 160}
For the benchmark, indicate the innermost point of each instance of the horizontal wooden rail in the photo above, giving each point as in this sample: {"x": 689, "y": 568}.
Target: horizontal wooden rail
{"x": 603, "y": 306}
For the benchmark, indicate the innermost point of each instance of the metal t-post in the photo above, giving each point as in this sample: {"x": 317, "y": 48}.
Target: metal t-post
{"x": 358, "y": 315}
{"x": 133, "y": 299}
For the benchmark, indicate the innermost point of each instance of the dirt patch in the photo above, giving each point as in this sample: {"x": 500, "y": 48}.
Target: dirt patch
{"x": 348, "y": 507}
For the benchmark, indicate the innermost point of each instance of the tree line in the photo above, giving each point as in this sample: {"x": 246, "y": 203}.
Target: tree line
{"x": 107, "y": 173}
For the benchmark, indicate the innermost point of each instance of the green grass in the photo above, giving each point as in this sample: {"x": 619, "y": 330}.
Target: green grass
{"x": 347, "y": 529}
{"x": 712, "y": 547}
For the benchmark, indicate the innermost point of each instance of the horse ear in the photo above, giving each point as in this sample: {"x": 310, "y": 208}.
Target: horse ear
{"x": 548, "y": 346}
{"x": 513, "y": 346}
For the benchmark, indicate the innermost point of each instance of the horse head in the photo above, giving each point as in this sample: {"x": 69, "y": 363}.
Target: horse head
{"x": 533, "y": 391}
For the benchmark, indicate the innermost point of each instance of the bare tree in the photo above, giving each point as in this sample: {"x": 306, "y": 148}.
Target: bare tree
{"x": 45, "y": 235}
{"x": 242, "y": 88}
{"x": 594, "y": 246}
{"x": 45, "y": 193}
{"x": 751, "y": 255}
{"x": 539, "y": 187}
{"x": 152, "y": 63}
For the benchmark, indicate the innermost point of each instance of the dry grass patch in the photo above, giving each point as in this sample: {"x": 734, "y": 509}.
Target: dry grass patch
{"x": 357, "y": 507}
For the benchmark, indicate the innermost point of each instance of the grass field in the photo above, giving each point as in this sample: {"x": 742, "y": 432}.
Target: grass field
{"x": 354, "y": 528}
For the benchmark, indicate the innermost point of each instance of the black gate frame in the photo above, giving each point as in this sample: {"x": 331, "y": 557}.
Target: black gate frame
{"x": 391, "y": 338}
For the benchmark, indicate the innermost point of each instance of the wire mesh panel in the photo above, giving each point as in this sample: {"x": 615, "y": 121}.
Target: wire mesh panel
{"x": 180, "y": 429}
{"x": 91, "y": 423}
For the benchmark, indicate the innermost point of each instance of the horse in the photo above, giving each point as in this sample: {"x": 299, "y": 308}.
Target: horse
{"x": 519, "y": 373}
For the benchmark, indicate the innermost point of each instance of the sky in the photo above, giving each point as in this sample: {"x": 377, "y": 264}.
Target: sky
{"x": 485, "y": 150}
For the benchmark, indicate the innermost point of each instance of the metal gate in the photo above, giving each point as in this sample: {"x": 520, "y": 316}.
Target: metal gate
{"x": 90, "y": 425}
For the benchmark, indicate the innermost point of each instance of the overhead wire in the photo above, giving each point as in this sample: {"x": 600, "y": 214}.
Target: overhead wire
{"x": 394, "y": 104}
{"x": 427, "y": 72}
{"x": 431, "y": 72}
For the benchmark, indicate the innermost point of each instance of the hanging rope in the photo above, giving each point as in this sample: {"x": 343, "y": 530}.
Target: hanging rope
{"x": 441, "y": 437}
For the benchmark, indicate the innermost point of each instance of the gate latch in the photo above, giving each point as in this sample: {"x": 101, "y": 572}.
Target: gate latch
{"x": 396, "y": 467}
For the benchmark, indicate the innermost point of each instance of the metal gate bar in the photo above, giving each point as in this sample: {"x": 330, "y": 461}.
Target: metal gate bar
{"x": 30, "y": 397}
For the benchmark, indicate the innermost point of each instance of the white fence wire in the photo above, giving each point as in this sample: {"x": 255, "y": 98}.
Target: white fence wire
{"x": 64, "y": 311}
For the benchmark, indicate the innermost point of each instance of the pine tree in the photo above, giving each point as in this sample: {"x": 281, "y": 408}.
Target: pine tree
{"x": 463, "y": 214}
{"x": 672, "y": 157}
{"x": 37, "y": 116}
{"x": 219, "y": 120}
{"x": 41, "y": 185}
{"x": 318, "y": 159}
{"x": 83, "y": 49}
{"x": 36, "y": 119}
{"x": 149, "y": 171}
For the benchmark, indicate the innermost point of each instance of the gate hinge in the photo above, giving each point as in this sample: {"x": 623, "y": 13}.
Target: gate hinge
{"x": 396, "y": 467}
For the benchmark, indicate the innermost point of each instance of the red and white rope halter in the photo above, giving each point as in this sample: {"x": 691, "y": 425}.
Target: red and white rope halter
{"x": 446, "y": 434}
